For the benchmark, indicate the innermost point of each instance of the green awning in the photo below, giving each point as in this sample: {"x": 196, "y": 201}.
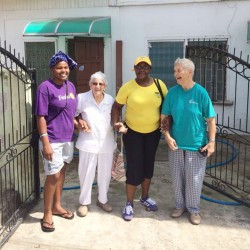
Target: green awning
{"x": 98, "y": 27}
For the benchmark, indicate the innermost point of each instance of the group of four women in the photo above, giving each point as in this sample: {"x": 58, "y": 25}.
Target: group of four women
{"x": 96, "y": 114}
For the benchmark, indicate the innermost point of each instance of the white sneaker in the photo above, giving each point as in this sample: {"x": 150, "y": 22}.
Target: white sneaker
{"x": 82, "y": 211}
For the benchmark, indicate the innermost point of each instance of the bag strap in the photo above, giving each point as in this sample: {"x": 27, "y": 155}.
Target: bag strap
{"x": 159, "y": 88}
{"x": 63, "y": 107}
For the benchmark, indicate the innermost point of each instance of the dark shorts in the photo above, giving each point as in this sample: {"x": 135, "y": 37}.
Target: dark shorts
{"x": 140, "y": 154}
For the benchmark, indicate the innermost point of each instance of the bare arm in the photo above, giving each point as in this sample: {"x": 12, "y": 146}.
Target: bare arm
{"x": 42, "y": 128}
{"x": 211, "y": 136}
{"x": 166, "y": 122}
{"x": 165, "y": 130}
{"x": 81, "y": 124}
{"x": 116, "y": 122}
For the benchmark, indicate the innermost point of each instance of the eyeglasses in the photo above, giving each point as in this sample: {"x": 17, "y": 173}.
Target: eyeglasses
{"x": 101, "y": 84}
{"x": 142, "y": 67}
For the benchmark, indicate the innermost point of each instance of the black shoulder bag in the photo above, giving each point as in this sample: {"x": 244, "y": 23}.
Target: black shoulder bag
{"x": 160, "y": 91}
{"x": 167, "y": 121}
{"x": 35, "y": 133}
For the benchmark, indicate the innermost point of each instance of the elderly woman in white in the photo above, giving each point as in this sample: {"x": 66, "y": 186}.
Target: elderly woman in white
{"x": 96, "y": 143}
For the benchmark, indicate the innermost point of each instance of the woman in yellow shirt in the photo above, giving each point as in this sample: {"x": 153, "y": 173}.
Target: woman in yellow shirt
{"x": 141, "y": 131}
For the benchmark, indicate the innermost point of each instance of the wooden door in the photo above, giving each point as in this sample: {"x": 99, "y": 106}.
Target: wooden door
{"x": 89, "y": 55}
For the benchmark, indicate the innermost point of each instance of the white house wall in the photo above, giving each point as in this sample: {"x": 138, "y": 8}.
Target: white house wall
{"x": 178, "y": 22}
{"x": 135, "y": 25}
{"x": 69, "y": 4}
{"x": 15, "y": 21}
{"x": 51, "y": 4}
{"x": 154, "y": 2}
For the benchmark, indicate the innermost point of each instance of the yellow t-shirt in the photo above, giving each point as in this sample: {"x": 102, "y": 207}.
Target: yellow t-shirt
{"x": 142, "y": 105}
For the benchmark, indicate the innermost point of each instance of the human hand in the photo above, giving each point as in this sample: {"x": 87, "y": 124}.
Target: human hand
{"x": 210, "y": 148}
{"x": 166, "y": 123}
{"x": 47, "y": 151}
{"x": 170, "y": 141}
{"x": 83, "y": 125}
{"x": 120, "y": 127}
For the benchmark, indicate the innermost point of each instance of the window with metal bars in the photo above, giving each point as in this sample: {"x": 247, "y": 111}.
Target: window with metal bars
{"x": 37, "y": 56}
{"x": 210, "y": 70}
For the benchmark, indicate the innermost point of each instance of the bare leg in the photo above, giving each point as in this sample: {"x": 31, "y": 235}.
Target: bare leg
{"x": 145, "y": 188}
{"x": 150, "y": 204}
{"x": 130, "y": 190}
{"x": 48, "y": 193}
{"x": 57, "y": 208}
{"x": 58, "y": 192}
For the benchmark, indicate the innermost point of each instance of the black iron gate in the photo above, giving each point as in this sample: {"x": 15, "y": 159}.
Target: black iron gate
{"x": 19, "y": 172}
{"x": 227, "y": 79}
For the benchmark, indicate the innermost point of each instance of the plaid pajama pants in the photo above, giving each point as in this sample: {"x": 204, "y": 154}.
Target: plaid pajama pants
{"x": 188, "y": 171}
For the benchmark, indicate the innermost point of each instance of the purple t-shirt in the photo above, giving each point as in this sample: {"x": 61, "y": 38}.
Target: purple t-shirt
{"x": 50, "y": 100}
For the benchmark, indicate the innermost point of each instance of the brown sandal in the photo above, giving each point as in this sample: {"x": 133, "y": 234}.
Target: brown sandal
{"x": 64, "y": 215}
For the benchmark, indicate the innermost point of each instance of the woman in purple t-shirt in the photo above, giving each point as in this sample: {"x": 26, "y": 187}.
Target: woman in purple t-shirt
{"x": 56, "y": 104}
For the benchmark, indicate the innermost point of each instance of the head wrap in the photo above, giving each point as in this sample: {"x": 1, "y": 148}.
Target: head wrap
{"x": 60, "y": 56}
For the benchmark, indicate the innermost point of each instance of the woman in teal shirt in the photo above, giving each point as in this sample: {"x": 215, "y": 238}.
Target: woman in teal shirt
{"x": 192, "y": 113}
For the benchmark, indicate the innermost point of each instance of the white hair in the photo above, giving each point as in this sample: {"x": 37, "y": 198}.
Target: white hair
{"x": 185, "y": 63}
{"x": 98, "y": 75}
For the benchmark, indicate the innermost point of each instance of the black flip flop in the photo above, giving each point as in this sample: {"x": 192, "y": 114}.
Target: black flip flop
{"x": 47, "y": 229}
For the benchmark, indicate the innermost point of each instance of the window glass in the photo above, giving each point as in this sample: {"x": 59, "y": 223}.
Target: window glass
{"x": 209, "y": 71}
{"x": 163, "y": 56}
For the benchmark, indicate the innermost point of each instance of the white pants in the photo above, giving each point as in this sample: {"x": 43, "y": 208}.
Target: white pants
{"x": 88, "y": 163}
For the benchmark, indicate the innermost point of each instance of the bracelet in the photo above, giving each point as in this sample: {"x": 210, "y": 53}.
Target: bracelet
{"x": 212, "y": 141}
{"x": 43, "y": 135}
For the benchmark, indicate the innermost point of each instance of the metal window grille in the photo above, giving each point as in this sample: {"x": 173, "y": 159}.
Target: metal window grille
{"x": 208, "y": 72}
{"x": 37, "y": 56}
{"x": 163, "y": 56}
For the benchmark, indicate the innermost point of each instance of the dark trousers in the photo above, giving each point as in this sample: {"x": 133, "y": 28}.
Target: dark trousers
{"x": 140, "y": 154}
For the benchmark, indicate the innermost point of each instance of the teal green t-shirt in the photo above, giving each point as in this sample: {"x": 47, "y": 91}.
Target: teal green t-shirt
{"x": 189, "y": 110}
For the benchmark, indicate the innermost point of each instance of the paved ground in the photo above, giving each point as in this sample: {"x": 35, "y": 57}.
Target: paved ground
{"x": 223, "y": 227}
